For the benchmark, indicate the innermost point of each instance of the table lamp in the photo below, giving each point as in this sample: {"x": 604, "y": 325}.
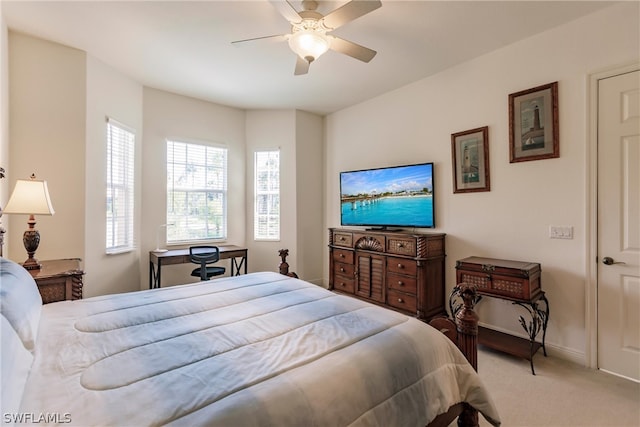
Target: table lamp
{"x": 30, "y": 197}
{"x": 158, "y": 249}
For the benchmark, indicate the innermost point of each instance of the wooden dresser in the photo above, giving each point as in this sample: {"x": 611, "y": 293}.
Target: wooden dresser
{"x": 59, "y": 280}
{"x": 398, "y": 270}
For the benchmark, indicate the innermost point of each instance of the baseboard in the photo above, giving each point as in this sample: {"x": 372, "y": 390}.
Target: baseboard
{"x": 554, "y": 350}
{"x": 567, "y": 354}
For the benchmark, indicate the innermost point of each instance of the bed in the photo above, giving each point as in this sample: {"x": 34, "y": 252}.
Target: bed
{"x": 261, "y": 349}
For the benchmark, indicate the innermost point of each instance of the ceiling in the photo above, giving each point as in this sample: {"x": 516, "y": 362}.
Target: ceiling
{"x": 185, "y": 46}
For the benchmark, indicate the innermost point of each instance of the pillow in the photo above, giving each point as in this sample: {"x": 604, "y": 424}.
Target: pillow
{"x": 20, "y": 301}
{"x": 16, "y": 362}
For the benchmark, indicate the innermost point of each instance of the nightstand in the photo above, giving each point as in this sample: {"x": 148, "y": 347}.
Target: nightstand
{"x": 59, "y": 280}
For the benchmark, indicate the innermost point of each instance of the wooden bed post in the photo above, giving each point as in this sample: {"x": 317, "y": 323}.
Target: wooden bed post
{"x": 467, "y": 325}
{"x": 463, "y": 331}
{"x": 284, "y": 265}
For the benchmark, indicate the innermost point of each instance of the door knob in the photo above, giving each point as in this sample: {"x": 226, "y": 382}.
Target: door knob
{"x": 609, "y": 261}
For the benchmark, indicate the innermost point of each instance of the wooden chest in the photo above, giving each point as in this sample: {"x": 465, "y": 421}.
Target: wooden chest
{"x": 513, "y": 280}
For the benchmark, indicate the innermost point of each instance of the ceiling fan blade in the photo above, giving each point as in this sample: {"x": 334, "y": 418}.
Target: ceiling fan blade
{"x": 286, "y": 10}
{"x": 352, "y": 49}
{"x": 350, "y": 11}
{"x": 302, "y": 66}
{"x": 275, "y": 38}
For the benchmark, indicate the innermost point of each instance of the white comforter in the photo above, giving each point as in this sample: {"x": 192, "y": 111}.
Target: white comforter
{"x": 255, "y": 350}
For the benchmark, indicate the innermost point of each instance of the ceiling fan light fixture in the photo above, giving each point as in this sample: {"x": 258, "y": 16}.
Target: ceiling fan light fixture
{"x": 309, "y": 44}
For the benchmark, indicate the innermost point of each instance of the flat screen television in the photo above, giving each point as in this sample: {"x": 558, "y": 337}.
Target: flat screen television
{"x": 397, "y": 196}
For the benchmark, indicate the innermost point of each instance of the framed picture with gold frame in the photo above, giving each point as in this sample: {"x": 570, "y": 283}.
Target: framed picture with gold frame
{"x": 533, "y": 124}
{"x": 470, "y": 156}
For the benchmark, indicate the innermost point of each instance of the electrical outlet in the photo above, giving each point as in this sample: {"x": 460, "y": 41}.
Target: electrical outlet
{"x": 560, "y": 232}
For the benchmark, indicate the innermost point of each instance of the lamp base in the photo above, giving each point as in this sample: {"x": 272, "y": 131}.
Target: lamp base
{"x": 31, "y": 264}
{"x": 31, "y": 240}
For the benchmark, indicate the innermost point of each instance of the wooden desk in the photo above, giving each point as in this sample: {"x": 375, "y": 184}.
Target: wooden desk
{"x": 59, "y": 280}
{"x": 237, "y": 255}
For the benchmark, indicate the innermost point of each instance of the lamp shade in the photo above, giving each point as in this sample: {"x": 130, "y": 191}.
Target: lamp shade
{"x": 30, "y": 197}
{"x": 309, "y": 44}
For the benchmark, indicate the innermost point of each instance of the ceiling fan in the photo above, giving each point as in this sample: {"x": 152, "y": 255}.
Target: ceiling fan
{"x": 310, "y": 38}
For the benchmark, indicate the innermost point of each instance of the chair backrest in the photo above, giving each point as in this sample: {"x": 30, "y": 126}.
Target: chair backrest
{"x": 204, "y": 255}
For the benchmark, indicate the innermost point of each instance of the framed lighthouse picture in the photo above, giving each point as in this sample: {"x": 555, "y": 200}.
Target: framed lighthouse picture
{"x": 533, "y": 124}
{"x": 470, "y": 156}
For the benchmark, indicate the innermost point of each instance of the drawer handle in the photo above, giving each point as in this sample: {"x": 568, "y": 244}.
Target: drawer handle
{"x": 342, "y": 239}
{"x": 341, "y": 255}
{"x": 401, "y": 245}
{"x": 400, "y": 300}
{"x": 400, "y": 283}
{"x": 342, "y": 284}
{"x": 341, "y": 270}
{"x": 400, "y": 266}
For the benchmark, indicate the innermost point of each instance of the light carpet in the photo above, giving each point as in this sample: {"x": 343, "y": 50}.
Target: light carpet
{"x": 560, "y": 394}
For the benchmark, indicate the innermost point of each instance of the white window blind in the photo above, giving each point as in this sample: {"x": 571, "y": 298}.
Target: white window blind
{"x": 267, "y": 195}
{"x": 196, "y": 192}
{"x": 120, "y": 187}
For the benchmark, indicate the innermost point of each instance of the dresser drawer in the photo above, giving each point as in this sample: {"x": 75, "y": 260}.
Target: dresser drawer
{"x": 402, "y": 266}
{"x": 344, "y": 269}
{"x": 401, "y": 300}
{"x": 344, "y": 284}
{"x": 369, "y": 242}
{"x": 342, "y": 255}
{"x": 402, "y": 283}
{"x": 401, "y": 246}
{"x": 341, "y": 238}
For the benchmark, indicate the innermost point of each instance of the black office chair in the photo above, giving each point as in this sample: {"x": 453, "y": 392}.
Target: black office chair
{"x": 205, "y": 255}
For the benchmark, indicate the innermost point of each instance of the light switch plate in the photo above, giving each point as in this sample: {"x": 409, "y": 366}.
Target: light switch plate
{"x": 560, "y": 232}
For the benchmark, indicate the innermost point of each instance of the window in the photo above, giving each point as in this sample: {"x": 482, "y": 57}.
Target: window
{"x": 267, "y": 195}
{"x": 120, "y": 183}
{"x": 196, "y": 192}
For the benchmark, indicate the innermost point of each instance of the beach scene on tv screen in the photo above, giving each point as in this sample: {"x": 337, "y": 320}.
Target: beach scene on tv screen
{"x": 400, "y": 196}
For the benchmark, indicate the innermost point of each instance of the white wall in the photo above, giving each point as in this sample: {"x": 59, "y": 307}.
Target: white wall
{"x": 166, "y": 116}
{"x": 92, "y": 91}
{"x": 268, "y": 130}
{"x": 47, "y": 104}
{"x": 511, "y": 221}
{"x": 109, "y": 94}
{"x": 299, "y": 136}
{"x": 310, "y": 234}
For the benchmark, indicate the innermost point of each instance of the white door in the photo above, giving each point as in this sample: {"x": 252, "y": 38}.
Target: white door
{"x": 619, "y": 225}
